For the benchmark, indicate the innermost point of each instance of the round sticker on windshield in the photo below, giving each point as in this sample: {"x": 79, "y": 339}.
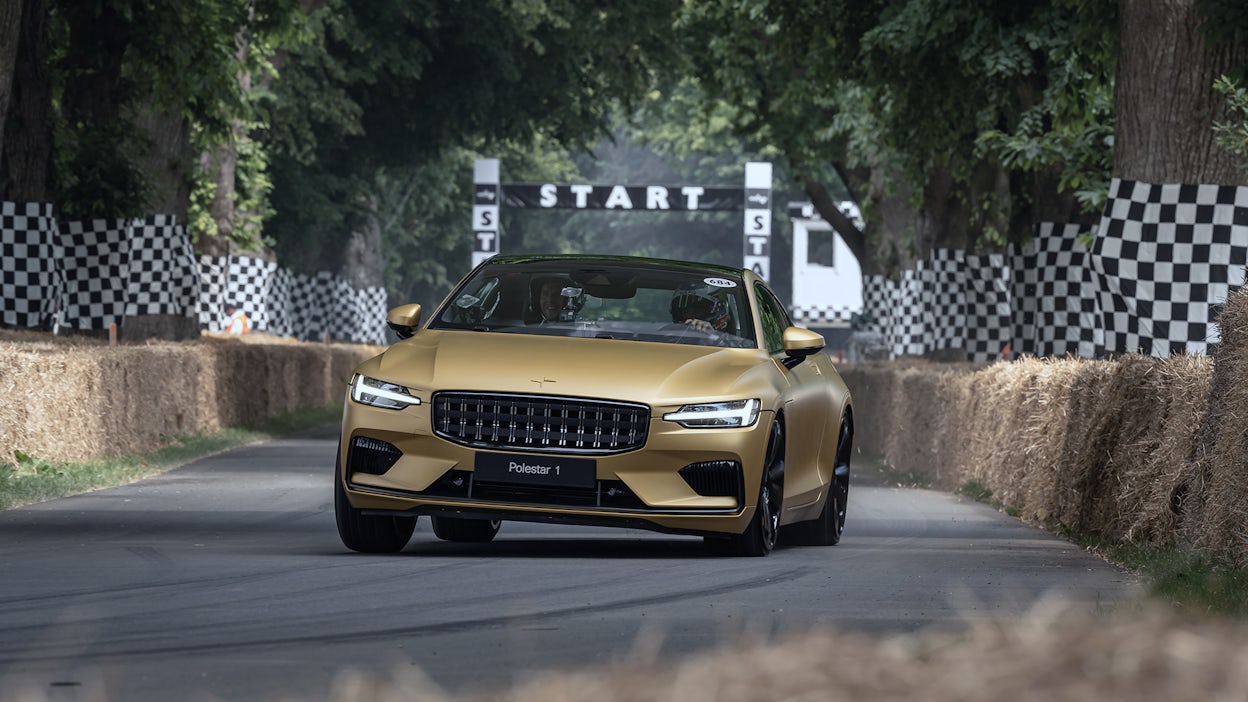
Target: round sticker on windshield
{"x": 719, "y": 282}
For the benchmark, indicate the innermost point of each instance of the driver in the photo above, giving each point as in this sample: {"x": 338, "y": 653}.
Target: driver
{"x": 701, "y": 306}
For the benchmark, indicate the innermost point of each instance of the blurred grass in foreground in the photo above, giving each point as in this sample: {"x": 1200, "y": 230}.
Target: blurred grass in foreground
{"x": 1181, "y": 577}
{"x": 26, "y": 479}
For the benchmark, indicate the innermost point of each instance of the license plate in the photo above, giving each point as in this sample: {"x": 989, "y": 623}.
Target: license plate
{"x": 536, "y": 470}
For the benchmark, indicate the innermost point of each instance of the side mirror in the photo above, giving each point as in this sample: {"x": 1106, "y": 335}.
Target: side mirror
{"x": 404, "y": 319}
{"x": 800, "y": 343}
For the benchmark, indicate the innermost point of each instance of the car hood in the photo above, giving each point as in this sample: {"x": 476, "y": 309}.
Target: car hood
{"x": 652, "y": 373}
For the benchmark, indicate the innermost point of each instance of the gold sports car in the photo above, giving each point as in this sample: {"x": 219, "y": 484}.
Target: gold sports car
{"x": 602, "y": 390}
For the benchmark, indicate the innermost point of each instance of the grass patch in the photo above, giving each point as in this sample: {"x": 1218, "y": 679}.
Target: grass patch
{"x": 28, "y": 479}
{"x": 891, "y": 474}
{"x": 982, "y": 493}
{"x": 977, "y": 491}
{"x": 1184, "y": 578}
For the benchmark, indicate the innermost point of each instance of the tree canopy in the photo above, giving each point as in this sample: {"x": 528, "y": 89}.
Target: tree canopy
{"x": 340, "y": 133}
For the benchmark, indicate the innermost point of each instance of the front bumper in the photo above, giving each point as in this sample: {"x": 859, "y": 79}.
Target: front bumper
{"x": 427, "y": 475}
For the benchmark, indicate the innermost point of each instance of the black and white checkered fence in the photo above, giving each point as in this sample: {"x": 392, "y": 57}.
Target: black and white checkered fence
{"x": 88, "y": 275}
{"x": 1167, "y": 256}
{"x": 28, "y": 274}
{"x": 988, "y": 329}
{"x": 949, "y": 301}
{"x": 93, "y": 260}
{"x": 944, "y": 296}
{"x": 824, "y": 315}
{"x": 1055, "y": 295}
{"x": 283, "y": 303}
{"x": 1164, "y": 259}
{"x": 162, "y": 275}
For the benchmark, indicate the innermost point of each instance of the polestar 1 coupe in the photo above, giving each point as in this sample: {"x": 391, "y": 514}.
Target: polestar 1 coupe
{"x": 598, "y": 390}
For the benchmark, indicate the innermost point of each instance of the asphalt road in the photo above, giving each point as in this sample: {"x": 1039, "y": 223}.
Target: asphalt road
{"x": 225, "y": 580}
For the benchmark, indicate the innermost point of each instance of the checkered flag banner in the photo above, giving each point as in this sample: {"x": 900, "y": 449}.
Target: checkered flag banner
{"x": 283, "y": 303}
{"x": 93, "y": 257}
{"x": 112, "y": 269}
{"x": 28, "y": 273}
{"x": 162, "y": 275}
{"x": 88, "y": 275}
{"x": 944, "y": 296}
{"x": 1056, "y": 299}
{"x": 1167, "y": 257}
{"x": 987, "y": 294}
{"x": 812, "y": 315}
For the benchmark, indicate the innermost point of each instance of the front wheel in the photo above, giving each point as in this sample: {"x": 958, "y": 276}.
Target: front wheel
{"x": 369, "y": 533}
{"x": 759, "y": 538}
{"x": 825, "y": 530}
{"x": 465, "y": 530}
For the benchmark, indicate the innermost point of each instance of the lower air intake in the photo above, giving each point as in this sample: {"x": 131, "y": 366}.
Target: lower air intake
{"x": 715, "y": 478}
{"x": 372, "y": 456}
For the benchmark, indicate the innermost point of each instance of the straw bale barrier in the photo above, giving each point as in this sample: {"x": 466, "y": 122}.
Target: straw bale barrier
{"x": 1054, "y": 653}
{"x": 1138, "y": 449}
{"x": 78, "y": 402}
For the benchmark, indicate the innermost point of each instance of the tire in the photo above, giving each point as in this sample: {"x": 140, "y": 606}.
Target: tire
{"x": 476, "y": 531}
{"x": 825, "y": 530}
{"x": 759, "y": 538}
{"x": 369, "y": 533}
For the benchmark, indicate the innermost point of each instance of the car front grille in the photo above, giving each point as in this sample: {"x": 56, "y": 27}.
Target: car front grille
{"x": 539, "y": 423}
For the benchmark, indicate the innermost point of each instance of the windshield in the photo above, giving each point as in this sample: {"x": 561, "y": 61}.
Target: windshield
{"x": 606, "y": 300}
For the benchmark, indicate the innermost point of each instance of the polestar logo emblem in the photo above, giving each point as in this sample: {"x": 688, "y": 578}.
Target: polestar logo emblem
{"x": 540, "y": 382}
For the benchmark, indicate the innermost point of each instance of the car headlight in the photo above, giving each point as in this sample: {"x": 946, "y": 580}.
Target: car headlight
{"x": 379, "y": 393}
{"x": 716, "y": 415}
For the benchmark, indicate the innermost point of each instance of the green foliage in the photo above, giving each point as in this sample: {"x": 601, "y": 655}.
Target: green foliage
{"x": 389, "y": 88}
{"x": 98, "y": 175}
{"x": 252, "y": 188}
{"x": 1225, "y": 23}
{"x": 898, "y": 93}
{"x": 114, "y": 60}
{"x": 1233, "y": 135}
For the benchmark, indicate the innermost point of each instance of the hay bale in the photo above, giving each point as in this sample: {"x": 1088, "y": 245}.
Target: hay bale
{"x": 1219, "y": 523}
{"x": 1002, "y": 457}
{"x": 1156, "y": 488}
{"x": 78, "y": 402}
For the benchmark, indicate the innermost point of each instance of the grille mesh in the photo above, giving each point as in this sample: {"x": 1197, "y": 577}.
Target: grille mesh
{"x": 539, "y": 423}
{"x": 714, "y": 478}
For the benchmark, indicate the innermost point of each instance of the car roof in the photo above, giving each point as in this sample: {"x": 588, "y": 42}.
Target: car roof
{"x": 715, "y": 268}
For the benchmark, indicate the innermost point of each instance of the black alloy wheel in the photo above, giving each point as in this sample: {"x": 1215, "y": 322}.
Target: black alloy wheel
{"x": 465, "y": 530}
{"x": 825, "y": 530}
{"x": 760, "y": 537}
{"x": 840, "y": 474}
{"x": 368, "y": 533}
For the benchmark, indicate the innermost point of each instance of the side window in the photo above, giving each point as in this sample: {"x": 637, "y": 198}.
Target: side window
{"x": 773, "y": 317}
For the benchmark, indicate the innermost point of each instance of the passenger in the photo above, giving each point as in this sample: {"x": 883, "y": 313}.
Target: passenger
{"x": 701, "y": 306}
{"x": 549, "y": 300}
{"x": 557, "y": 300}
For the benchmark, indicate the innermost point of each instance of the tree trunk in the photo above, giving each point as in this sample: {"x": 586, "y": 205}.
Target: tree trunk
{"x": 222, "y": 161}
{"x": 944, "y": 222}
{"x": 97, "y": 45}
{"x": 364, "y": 266}
{"x": 26, "y": 155}
{"x": 1164, "y": 98}
{"x": 166, "y": 161}
{"x": 10, "y": 30}
{"x": 1045, "y": 202}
